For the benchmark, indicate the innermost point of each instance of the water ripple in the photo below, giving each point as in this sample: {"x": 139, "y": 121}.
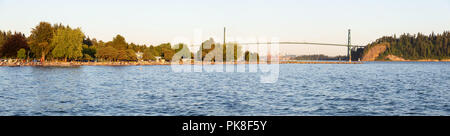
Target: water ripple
{"x": 378, "y": 88}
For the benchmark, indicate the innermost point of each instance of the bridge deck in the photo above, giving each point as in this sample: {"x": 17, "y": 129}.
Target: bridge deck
{"x": 301, "y": 43}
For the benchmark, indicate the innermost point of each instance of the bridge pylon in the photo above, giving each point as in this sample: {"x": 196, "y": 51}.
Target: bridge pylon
{"x": 349, "y": 46}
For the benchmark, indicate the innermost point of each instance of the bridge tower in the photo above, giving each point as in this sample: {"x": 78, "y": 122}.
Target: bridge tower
{"x": 349, "y": 48}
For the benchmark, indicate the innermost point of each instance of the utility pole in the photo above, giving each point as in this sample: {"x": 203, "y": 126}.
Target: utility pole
{"x": 349, "y": 48}
{"x": 224, "y": 35}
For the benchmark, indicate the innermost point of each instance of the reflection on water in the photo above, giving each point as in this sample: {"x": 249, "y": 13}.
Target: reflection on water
{"x": 376, "y": 88}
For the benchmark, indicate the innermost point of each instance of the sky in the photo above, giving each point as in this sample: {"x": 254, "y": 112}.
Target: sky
{"x": 152, "y": 22}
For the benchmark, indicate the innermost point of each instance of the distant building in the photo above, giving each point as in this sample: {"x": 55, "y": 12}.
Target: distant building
{"x": 139, "y": 55}
{"x": 159, "y": 59}
{"x": 186, "y": 60}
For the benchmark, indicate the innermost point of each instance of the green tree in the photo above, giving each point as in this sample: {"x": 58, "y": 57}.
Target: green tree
{"x": 68, "y": 43}
{"x": 182, "y": 51}
{"x": 22, "y": 54}
{"x": 232, "y": 49}
{"x": 168, "y": 53}
{"x": 98, "y": 44}
{"x": 148, "y": 55}
{"x": 87, "y": 57}
{"x": 127, "y": 55}
{"x": 155, "y": 51}
{"x": 251, "y": 57}
{"x": 89, "y": 50}
{"x": 131, "y": 55}
{"x": 118, "y": 42}
{"x": 107, "y": 53}
{"x": 247, "y": 56}
{"x": 40, "y": 39}
{"x": 206, "y": 47}
{"x": 182, "y": 48}
{"x": 163, "y": 50}
{"x": 227, "y": 52}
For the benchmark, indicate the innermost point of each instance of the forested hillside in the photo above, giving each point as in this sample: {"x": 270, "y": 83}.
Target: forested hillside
{"x": 414, "y": 47}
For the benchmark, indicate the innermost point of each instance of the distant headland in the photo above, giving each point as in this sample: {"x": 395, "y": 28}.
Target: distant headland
{"x": 407, "y": 47}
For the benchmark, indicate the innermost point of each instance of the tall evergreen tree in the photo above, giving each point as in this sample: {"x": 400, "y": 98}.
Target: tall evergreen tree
{"x": 2, "y": 38}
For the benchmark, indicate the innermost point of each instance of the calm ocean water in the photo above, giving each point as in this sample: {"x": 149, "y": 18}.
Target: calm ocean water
{"x": 374, "y": 88}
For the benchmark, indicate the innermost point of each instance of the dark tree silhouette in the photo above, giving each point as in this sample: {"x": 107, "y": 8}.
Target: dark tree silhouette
{"x": 13, "y": 44}
{"x": 87, "y": 41}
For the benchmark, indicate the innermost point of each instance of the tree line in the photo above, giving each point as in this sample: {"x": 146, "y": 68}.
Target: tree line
{"x": 417, "y": 46}
{"x": 319, "y": 57}
{"x": 49, "y": 42}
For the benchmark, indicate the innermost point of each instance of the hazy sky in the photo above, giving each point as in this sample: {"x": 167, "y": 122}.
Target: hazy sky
{"x": 154, "y": 22}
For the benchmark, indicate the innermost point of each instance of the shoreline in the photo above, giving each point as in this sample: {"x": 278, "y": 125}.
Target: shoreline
{"x": 397, "y": 59}
{"x": 76, "y": 64}
{"x": 400, "y": 59}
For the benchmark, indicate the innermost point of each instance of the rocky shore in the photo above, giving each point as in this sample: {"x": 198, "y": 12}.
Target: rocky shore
{"x": 75, "y": 64}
